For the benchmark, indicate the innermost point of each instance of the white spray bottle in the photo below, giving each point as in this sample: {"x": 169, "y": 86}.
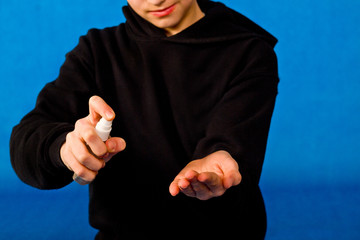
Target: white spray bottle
{"x": 103, "y": 129}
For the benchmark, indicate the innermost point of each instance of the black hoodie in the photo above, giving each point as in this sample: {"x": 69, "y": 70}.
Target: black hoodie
{"x": 210, "y": 87}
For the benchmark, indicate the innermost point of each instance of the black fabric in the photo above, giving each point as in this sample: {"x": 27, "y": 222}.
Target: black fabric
{"x": 211, "y": 87}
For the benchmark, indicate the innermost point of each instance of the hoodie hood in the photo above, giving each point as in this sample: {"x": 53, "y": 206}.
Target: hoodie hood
{"x": 219, "y": 24}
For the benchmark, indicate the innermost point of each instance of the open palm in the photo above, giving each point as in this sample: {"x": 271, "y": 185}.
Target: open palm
{"x": 207, "y": 177}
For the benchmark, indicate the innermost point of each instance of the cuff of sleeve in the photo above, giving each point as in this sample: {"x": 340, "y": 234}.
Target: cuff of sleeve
{"x": 64, "y": 175}
{"x": 54, "y": 151}
{"x": 204, "y": 149}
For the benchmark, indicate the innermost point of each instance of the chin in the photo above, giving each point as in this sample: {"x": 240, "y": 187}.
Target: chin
{"x": 166, "y": 23}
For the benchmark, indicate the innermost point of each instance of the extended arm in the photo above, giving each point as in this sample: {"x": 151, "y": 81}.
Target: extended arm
{"x": 236, "y": 135}
{"x": 35, "y": 142}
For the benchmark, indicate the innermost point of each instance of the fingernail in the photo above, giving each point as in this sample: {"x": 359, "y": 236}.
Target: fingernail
{"x": 109, "y": 114}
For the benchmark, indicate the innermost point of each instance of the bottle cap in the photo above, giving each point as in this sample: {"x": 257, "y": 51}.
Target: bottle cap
{"x": 103, "y": 129}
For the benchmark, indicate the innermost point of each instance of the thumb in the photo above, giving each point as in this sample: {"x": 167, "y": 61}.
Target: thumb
{"x": 230, "y": 169}
{"x": 114, "y": 146}
{"x": 232, "y": 178}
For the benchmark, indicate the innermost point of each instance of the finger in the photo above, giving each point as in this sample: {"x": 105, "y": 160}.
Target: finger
{"x": 181, "y": 185}
{"x": 114, "y": 146}
{"x": 191, "y": 174}
{"x": 82, "y": 175}
{"x": 174, "y": 188}
{"x": 198, "y": 189}
{"x": 213, "y": 182}
{"x": 230, "y": 169}
{"x": 231, "y": 179}
{"x": 178, "y": 186}
{"x": 79, "y": 180}
{"x": 86, "y": 132}
{"x": 186, "y": 188}
{"x": 86, "y": 158}
{"x": 201, "y": 191}
{"x": 75, "y": 147}
{"x": 99, "y": 108}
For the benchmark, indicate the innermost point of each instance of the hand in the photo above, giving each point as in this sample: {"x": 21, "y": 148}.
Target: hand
{"x": 207, "y": 177}
{"x": 84, "y": 152}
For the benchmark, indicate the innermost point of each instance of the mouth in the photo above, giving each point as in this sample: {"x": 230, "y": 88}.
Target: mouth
{"x": 163, "y": 12}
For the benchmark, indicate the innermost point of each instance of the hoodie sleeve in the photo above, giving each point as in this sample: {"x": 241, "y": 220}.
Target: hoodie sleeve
{"x": 241, "y": 119}
{"x": 35, "y": 142}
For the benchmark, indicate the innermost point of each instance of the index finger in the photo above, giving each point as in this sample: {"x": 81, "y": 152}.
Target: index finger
{"x": 98, "y": 108}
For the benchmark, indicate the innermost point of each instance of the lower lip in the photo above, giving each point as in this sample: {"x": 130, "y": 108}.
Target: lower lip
{"x": 164, "y": 12}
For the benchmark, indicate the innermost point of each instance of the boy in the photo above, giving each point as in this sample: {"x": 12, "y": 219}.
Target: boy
{"x": 193, "y": 86}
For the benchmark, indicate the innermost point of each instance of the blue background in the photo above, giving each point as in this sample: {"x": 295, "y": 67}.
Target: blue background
{"x": 310, "y": 181}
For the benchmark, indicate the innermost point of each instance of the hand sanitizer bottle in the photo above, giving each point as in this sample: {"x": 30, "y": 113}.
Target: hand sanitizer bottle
{"x": 103, "y": 129}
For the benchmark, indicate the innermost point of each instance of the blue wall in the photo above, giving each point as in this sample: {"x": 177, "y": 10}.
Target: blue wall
{"x": 315, "y": 131}
{"x": 314, "y": 137}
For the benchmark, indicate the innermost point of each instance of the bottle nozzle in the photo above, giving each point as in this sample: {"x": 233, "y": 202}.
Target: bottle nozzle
{"x": 103, "y": 129}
